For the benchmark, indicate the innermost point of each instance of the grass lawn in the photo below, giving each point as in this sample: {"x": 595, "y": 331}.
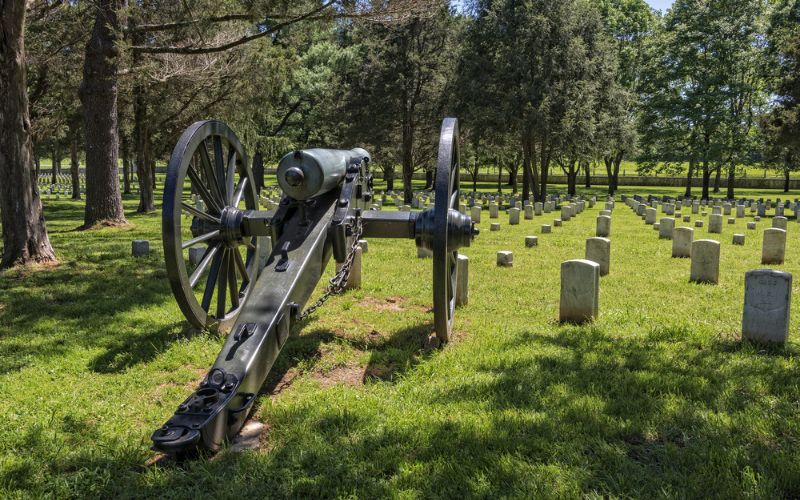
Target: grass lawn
{"x": 657, "y": 398}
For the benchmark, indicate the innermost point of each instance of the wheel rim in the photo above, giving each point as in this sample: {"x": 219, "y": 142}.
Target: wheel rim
{"x": 444, "y": 261}
{"x": 209, "y": 162}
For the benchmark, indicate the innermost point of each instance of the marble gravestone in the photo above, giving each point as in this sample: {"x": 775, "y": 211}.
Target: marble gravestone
{"x": 767, "y": 301}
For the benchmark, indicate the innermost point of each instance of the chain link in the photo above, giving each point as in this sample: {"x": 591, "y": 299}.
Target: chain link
{"x": 338, "y": 283}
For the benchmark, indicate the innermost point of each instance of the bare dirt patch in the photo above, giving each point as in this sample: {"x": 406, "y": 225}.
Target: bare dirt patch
{"x": 284, "y": 382}
{"x": 352, "y": 375}
{"x": 394, "y": 304}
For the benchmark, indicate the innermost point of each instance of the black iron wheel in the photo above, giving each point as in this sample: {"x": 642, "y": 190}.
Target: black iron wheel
{"x": 209, "y": 184}
{"x": 444, "y": 259}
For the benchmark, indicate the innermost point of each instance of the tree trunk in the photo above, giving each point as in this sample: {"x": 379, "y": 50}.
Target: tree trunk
{"x": 141, "y": 150}
{"x": 587, "y": 171}
{"x": 98, "y": 94}
{"x": 126, "y": 164}
{"x": 617, "y": 162}
{"x": 512, "y": 175}
{"x": 689, "y": 173}
{"x": 731, "y": 178}
{"x": 55, "y": 164}
{"x": 74, "y": 166}
{"x": 428, "y": 178}
{"x": 141, "y": 147}
{"x": 786, "y": 180}
{"x": 545, "y": 165}
{"x": 526, "y": 167}
{"x": 25, "y": 237}
{"x": 258, "y": 170}
{"x": 572, "y": 179}
{"x": 388, "y": 176}
{"x": 407, "y": 160}
{"x": 717, "y": 177}
{"x": 609, "y": 163}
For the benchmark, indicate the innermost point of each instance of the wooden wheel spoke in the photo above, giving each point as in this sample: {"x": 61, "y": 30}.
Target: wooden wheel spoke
{"x": 222, "y": 285}
{"x": 240, "y": 265}
{"x": 230, "y": 177}
{"x": 219, "y": 167}
{"x": 197, "y": 183}
{"x": 210, "y": 253}
{"x": 237, "y": 198}
{"x": 233, "y": 288}
{"x": 199, "y": 213}
{"x": 211, "y": 281}
{"x": 208, "y": 171}
{"x": 200, "y": 239}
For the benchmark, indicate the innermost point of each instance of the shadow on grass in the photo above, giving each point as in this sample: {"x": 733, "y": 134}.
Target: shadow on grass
{"x": 126, "y": 352}
{"x": 390, "y": 356}
{"x": 566, "y": 415}
{"x": 49, "y": 312}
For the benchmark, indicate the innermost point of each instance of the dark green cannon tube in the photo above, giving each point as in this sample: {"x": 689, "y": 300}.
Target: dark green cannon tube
{"x": 308, "y": 173}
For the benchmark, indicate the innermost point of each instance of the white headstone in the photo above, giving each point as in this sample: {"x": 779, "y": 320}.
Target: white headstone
{"x": 603, "y": 226}
{"x": 531, "y": 241}
{"x": 705, "y": 261}
{"x": 682, "y": 238}
{"x": 774, "y": 247}
{"x": 665, "y": 227}
{"x": 767, "y": 300}
{"x": 650, "y": 215}
{"x": 779, "y": 222}
{"x": 599, "y": 250}
{"x": 580, "y": 291}
{"x": 715, "y": 223}
{"x": 462, "y": 280}
{"x": 513, "y": 216}
{"x": 475, "y": 214}
{"x": 505, "y": 259}
{"x": 738, "y": 239}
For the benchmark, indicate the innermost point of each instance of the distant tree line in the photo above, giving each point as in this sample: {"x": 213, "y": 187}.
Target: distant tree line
{"x": 540, "y": 86}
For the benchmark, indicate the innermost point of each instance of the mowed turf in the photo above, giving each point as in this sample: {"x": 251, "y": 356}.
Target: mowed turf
{"x": 657, "y": 398}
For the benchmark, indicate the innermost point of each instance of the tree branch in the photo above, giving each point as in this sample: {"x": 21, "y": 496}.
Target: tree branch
{"x": 240, "y": 41}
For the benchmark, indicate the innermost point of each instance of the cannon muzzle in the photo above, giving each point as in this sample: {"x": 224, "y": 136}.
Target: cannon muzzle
{"x": 308, "y": 173}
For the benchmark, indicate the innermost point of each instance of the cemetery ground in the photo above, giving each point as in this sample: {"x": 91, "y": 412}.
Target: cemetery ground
{"x": 656, "y": 398}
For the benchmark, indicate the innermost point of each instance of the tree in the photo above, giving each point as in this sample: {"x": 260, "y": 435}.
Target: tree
{"x": 532, "y": 70}
{"x": 630, "y": 23}
{"x": 98, "y": 95}
{"x": 25, "y": 238}
{"x": 780, "y": 126}
{"x": 396, "y": 99}
{"x": 704, "y": 85}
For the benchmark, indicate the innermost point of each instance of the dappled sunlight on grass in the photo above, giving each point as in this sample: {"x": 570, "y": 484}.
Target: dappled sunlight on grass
{"x": 657, "y": 397}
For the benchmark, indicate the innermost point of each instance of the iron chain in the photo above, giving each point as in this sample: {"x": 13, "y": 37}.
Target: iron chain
{"x": 338, "y": 283}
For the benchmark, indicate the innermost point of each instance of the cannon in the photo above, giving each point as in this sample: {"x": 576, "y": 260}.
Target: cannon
{"x": 256, "y": 293}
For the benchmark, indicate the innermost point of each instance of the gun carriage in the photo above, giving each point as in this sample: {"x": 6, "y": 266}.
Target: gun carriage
{"x": 257, "y": 293}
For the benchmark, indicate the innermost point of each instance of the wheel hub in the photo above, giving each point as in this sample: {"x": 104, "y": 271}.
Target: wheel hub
{"x": 231, "y": 226}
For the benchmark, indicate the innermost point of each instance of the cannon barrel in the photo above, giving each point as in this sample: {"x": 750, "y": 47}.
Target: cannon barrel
{"x": 308, "y": 173}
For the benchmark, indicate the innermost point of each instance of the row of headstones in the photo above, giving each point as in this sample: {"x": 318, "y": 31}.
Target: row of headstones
{"x": 718, "y": 207}
{"x": 767, "y": 298}
{"x": 567, "y": 212}
{"x": 63, "y": 186}
{"x": 683, "y": 244}
{"x": 598, "y": 248}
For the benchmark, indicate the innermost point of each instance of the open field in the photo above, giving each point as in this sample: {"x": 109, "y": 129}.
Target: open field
{"x": 657, "y": 398}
